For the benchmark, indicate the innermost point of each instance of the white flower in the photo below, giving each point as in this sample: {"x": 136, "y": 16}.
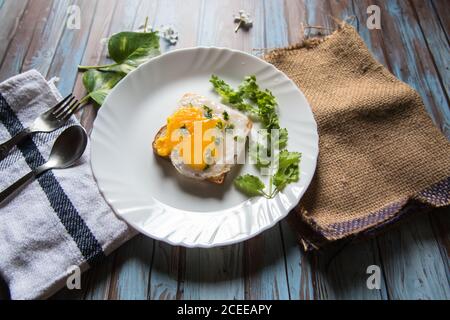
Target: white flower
{"x": 243, "y": 20}
{"x": 169, "y": 33}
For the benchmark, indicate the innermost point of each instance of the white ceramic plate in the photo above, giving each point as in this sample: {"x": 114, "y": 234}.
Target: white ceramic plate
{"x": 148, "y": 193}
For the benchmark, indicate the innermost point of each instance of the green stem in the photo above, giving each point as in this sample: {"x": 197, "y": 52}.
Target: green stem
{"x": 85, "y": 99}
{"x": 271, "y": 183}
{"x": 265, "y": 195}
{"x": 146, "y": 24}
{"x": 97, "y": 67}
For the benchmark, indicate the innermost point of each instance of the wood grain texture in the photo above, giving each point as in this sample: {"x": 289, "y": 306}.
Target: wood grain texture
{"x": 95, "y": 54}
{"x": 130, "y": 272}
{"x": 443, "y": 13}
{"x": 169, "y": 265}
{"x": 296, "y": 263}
{"x": 215, "y": 273}
{"x": 339, "y": 274}
{"x": 167, "y": 277}
{"x": 10, "y": 16}
{"x": 438, "y": 45}
{"x": 413, "y": 264}
{"x": 18, "y": 47}
{"x": 265, "y": 275}
{"x": 130, "y": 278}
{"x": 393, "y": 47}
{"x": 411, "y": 61}
{"x": 70, "y": 50}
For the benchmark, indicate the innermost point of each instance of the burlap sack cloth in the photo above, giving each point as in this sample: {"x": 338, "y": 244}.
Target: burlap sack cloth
{"x": 379, "y": 150}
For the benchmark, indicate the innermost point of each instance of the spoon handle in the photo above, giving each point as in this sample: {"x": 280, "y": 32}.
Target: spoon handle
{"x": 4, "y": 195}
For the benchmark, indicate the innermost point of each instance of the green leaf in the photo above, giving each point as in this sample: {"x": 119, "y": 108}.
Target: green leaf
{"x": 133, "y": 48}
{"x": 250, "y": 185}
{"x": 260, "y": 155}
{"x": 283, "y": 139}
{"x": 288, "y": 169}
{"x": 231, "y": 96}
{"x": 100, "y": 83}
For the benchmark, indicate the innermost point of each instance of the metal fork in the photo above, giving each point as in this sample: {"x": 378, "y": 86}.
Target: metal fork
{"x": 49, "y": 121}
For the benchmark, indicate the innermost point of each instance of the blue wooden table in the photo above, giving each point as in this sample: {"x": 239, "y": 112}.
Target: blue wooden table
{"x": 413, "y": 44}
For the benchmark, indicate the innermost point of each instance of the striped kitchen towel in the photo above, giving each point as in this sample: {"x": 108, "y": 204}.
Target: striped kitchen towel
{"x": 58, "y": 221}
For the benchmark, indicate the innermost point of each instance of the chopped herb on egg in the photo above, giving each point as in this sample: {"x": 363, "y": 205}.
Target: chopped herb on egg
{"x": 229, "y": 126}
{"x": 219, "y": 125}
{"x": 208, "y": 112}
{"x": 226, "y": 116}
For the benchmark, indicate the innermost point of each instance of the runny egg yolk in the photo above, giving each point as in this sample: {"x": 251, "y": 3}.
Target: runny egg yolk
{"x": 185, "y": 123}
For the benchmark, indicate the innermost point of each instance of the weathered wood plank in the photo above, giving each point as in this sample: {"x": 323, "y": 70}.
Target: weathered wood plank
{"x": 131, "y": 272}
{"x": 295, "y": 16}
{"x": 353, "y": 261}
{"x": 437, "y": 44}
{"x": 440, "y": 220}
{"x": 166, "y": 278}
{"x": 298, "y": 265}
{"x": 341, "y": 273}
{"x": 184, "y": 17}
{"x": 168, "y": 269}
{"x": 436, "y": 30}
{"x": 215, "y": 273}
{"x": 94, "y": 54}
{"x": 31, "y": 24}
{"x": 410, "y": 60}
{"x": 70, "y": 50}
{"x": 147, "y": 8}
{"x": 11, "y": 13}
{"x": 443, "y": 12}
{"x": 265, "y": 274}
{"x": 98, "y": 280}
{"x": 43, "y": 46}
{"x": 318, "y": 14}
{"x": 394, "y": 42}
{"x": 413, "y": 264}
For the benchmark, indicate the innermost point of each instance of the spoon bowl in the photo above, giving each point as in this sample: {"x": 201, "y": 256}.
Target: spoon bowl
{"x": 68, "y": 148}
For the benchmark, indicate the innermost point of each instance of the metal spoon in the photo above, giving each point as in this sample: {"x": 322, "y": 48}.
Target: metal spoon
{"x": 67, "y": 149}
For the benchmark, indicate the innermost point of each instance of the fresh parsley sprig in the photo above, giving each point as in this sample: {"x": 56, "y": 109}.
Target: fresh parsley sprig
{"x": 288, "y": 172}
{"x": 250, "y": 98}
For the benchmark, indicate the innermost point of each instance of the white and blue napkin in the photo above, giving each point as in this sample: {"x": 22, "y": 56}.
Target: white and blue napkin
{"x": 58, "y": 221}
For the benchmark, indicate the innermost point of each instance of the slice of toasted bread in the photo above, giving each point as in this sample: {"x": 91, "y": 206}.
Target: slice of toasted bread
{"x": 217, "y": 180}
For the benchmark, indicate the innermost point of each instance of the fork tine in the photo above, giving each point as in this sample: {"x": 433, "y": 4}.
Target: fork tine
{"x": 61, "y": 104}
{"x": 62, "y": 112}
{"x": 71, "y": 110}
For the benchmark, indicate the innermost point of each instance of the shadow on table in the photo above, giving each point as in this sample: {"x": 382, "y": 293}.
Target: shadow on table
{"x": 341, "y": 271}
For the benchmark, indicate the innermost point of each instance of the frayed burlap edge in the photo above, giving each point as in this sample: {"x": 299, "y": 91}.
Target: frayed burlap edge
{"x": 312, "y": 237}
